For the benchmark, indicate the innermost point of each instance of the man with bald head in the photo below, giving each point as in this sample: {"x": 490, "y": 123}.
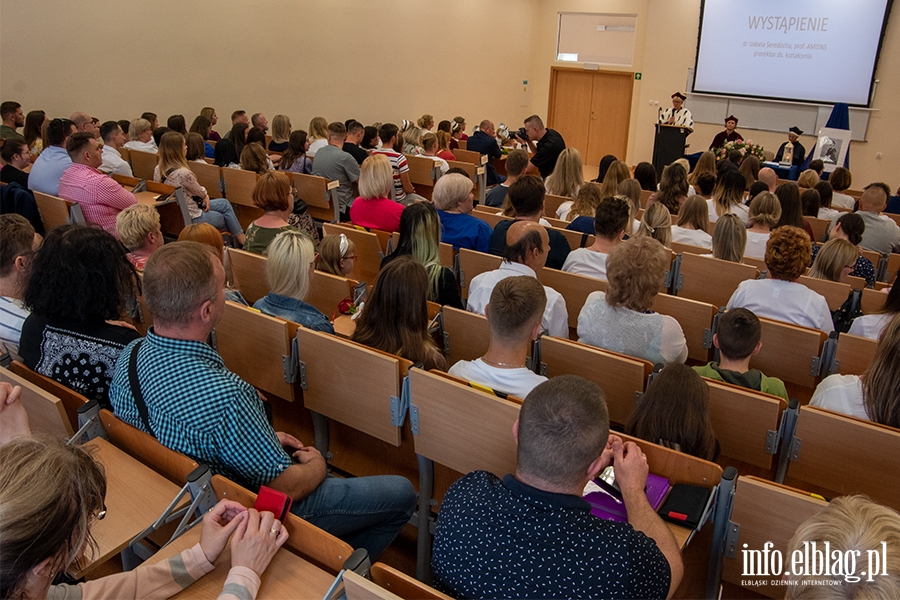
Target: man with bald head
{"x": 527, "y": 246}
{"x": 767, "y": 176}
{"x": 881, "y": 234}
{"x": 84, "y": 122}
{"x": 484, "y": 142}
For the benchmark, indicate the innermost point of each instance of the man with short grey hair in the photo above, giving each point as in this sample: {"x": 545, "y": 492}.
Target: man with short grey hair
{"x": 84, "y": 122}
{"x": 334, "y": 164}
{"x": 259, "y": 121}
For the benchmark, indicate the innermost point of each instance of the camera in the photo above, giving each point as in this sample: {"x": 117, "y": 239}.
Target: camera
{"x": 521, "y": 133}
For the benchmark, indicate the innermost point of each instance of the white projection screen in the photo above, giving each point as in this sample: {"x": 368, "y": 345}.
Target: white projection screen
{"x": 821, "y": 51}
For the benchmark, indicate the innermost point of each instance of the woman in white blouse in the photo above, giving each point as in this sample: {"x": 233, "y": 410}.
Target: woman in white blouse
{"x": 871, "y": 326}
{"x": 765, "y": 211}
{"x": 318, "y": 135}
{"x": 620, "y": 319}
{"x": 874, "y": 395}
{"x": 728, "y": 197}
{"x": 693, "y": 224}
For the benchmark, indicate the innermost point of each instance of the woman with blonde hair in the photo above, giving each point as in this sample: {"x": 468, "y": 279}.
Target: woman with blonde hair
{"x": 693, "y": 224}
{"x": 374, "y": 208}
{"x": 620, "y": 319}
{"x": 443, "y": 139}
{"x": 566, "y": 179}
{"x": 281, "y": 134}
{"x": 425, "y": 122}
{"x": 750, "y": 170}
{"x": 172, "y": 169}
{"x": 210, "y": 113}
{"x": 706, "y": 165}
{"x": 412, "y": 141}
{"x": 657, "y": 224}
{"x": 586, "y": 202}
{"x": 140, "y": 136}
{"x": 874, "y": 395}
{"x": 318, "y": 135}
{"x": 52, "y": 493}
{"x": 337, "y": 255}
{"x": 834, "y": 261}
{"x": 395, "y": 318}
{"x": 729, "y": 239}
{"x": 728, "y": 197}
{"x": 617, "y": 173}
{"x": 289, "y": 271}
{"x": 765, "y": 212}
{"x": 808, "y": 179}
{"x": 254, "y": 158}
{"x": 673, "y": 188}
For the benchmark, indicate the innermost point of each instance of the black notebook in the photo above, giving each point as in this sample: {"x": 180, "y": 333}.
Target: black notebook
{"x": 685, "y": 505}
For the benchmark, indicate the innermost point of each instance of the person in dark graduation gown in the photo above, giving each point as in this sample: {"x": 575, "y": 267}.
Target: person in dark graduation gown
{"x": 729, "y": 135}
{"x": 794, "y": 134}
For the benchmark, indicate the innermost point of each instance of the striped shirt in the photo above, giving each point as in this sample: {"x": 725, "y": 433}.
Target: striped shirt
{"x": 398, "y": 164}
{"x": 12, "y": 315}
{"x": 101, "y": 198}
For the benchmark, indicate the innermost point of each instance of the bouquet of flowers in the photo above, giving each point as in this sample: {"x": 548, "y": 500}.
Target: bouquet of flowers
{"x": 744, "y": 146}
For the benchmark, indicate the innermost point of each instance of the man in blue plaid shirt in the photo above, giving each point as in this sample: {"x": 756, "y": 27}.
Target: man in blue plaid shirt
{"x": 198, "y": 407}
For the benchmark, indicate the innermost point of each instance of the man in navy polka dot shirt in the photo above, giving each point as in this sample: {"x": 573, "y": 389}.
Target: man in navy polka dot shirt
{"x": 532, "y": 536}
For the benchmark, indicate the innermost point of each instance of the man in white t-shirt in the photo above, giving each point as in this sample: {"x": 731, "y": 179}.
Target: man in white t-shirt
{"x": 514, "y": 314}
{"x": 113, "y": 139}
{"x": 611, "y": 218}
{"x": 527, "y": 246}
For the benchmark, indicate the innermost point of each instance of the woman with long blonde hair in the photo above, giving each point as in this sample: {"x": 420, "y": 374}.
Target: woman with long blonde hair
{"x": 617, "y": 173}
{"x": 172, "y": 169}
{"x": 728, "y": 197}
{"x": 566, "y": 179}
{"x": 834, "y": 261}
{"x": 281, "y": 133}
{"x": 657, "y": 224}
{"x": 765, "y": 211}
{"x": 693, "y": 224}
{"x": 705, "y": 166}
{"x": 729, "y": 239}
{"x": 318, "y": 135}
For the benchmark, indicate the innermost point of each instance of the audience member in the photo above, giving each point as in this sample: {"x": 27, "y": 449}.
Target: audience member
{"x": 611, "y": 217}
{"x": 692, "y": 226}
{"x": 14, "y": 152}
{"x": 765, "y": 212}
{"x": 54, "y": 160}
{"x": 420, "y": 236}
{"x": 657, "y": 224}
{"x": 84, "y": 124}
{"x": 605, "y": 163}
{"x": 425, "y": 122}
{"x": 259, "y": 121}
{"x": 810, "y": 204}
{"x": 881, "y": 234}
{"x": 817, "y": 165}
{"x": 355, "y": 133}
{"x": 545, "y": 146}
{"x": 873, "y": 395}
{"x": 79, "y": 284}
{"x": 620, "y": 319}
{"x": 238, "y": 116}
{"x": 516, "y": 163}
{"x": 34, "y": 131}
{"x": 525, "y": 253}
{"x": 706, "y": 186}
{"x": 294, "y": 158}
{"x": 566, "y": 180}
{"x": 100, "y": 197}
{"x": 850, "y": 227}
{"x": 443, "y": 139}
{"x": 513, "y": 538}
{"x": 514, "y": 315}
{"x": 834, "y": 261}
{"x": 201, "y": 126}
{"x": 631, "y": 189}
{"x": 196, "y": 147}
{"x": 337, "y": 255}
{"x": 755, "y": 190}
{"x": 138, "y": 228}
{"x": 210, "y": 113}
{"x": 706, "y": 165}
{"x": 779, "y": 296}
{"x": 840, "y": 180}
{"x": 238, "y": 136}
{"x": 224, "y": 425}
{"x": 254, "y": 157}
{"x": 177, "y": 123}
{"x": 334, "y": 164}
{"x": 808, "y": 179}
{"x": 113, "y": 140}
{"x": 674, "y": 412}
{"x": 66, "y": 488}
{"x": 454, "y": 200}
{"x": 728, "y": 197}
{"x": 140, "y": 136}
{"x": 738, "y": 338}
{"x": 645, "y": 174}
{"x": 581, "y": 211}
{"x": 458, "y": 132}
{"x": 767, "y": 175}
{"x": 19, "y": 244}
{"x": 318, "y": 135}
{"x": 395, "y": 317}
{"x": 791, "y": 212}
{"x": 404, "y": 192}
{"x": 150, "y": 118}
{"x": 272, "y": 193}
{"x": 871, "y": 326}
{"x": 826, "y": 194}
{"x": 526, "y": 197}
{"x": 226, "y": 156}
{"x": 374, "y": 209}
{"x": 12, "y": 116}
{"x": 206, "y": 234}
{"x": 430, "y": 148}
{"x": 729, "y": 239}
{"x": 281, "y": 134}
{"x": 484, "y": 141}
{"x": 673, "y": 188}
{"x": 750, "y": 170}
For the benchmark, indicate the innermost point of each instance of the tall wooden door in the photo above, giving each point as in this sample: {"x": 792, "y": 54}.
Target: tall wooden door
{"x": 592, "y": 111}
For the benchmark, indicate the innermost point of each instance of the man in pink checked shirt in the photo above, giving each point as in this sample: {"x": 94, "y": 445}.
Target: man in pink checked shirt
{"x": 101, "y": 198}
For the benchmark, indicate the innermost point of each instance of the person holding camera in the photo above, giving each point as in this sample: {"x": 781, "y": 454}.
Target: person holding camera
{"x": 532, "y": 535}
{"x": 544, "y": 144}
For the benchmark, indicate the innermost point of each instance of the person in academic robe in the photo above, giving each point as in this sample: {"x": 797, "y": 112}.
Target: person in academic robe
{"x": 729, "y": 135}
{"x": 794, "y": 134}
{"x": 677, "y": 115}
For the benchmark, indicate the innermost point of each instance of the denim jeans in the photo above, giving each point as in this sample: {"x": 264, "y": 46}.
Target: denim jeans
{"x": 220, "y": 215}
{"x": 365, "y": 512}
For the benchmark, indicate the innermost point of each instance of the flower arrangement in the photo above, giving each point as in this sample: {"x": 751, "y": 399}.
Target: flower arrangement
{"x": 744, "y": 146}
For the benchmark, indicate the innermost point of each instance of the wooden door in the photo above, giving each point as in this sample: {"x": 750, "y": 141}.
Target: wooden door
{"x": 591, "y": 110}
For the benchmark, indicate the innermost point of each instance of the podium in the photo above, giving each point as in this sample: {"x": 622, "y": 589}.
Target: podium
{"x": 668, "y": 145}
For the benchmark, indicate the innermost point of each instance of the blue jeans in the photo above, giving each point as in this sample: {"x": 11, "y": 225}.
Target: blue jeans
{"x": 221, "y": 216}
{"x": 365, "y": 512}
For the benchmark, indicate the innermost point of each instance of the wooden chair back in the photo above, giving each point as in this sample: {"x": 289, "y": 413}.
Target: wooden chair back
{"x": 819, "y": 227}
{"x": 755, "y": 262}
{"x": 853, "y": 354}
{"x": 462, "y": 145}
{"x": 679, "y": 248}
{"x": 472, "y": 264}
{"x": 145, "y": 448}
{"x": 421, "y": 174}
{"x": 857, "y": 283}
{"x": 209, "y": 176}
{"x": 491, "y": 218}
{"x": 467, "y": 156}
{"x": 557, "y": 223}
{"x": 473, "y": 170}
{"x": 125, "y": 153}
{"x": 125, "y": 181}
{"x": 620, "y": 377}
{"x": 574, "y": 289}
{"x": 361, "y": 397}
{"x": 54, "y": 210}
{"x": 645, "y": 198}
{"x": 71, "y": 399}
{"x": 712, "y": 280}
{"x": 466, "y": 335}
{"x": 790, "y": 352}
{"x": 766, "y": 512}
{"x": 326, "y": 291}
{"x": 893, "y": 217}
{"x": 872, "y": 301}
{"x": 742, "y": 419}
{"x": 893, "y": 264}
{"x": 552, "y": 203}
{"x": 676, "y": 466}
{"x": 865, "y": 462}
{"x": 239, "y": 186}
{"x": 46, "y": 412}
{"x": 253, "y": 345}
{"x": 316, "y": 192}
{"x": 357, "y": 587}
{"x": 306, "y": 540}
{"x": 143, "y": 164}
{"x": 368, "y": 249}
{"x": 576, "y": 239}
{"x": 401, "y": 584}
{"x": 249, "y": 270}
{"x": 874, "y": 257}
{"x": 696, "y": 320}
{"x": 834, "y": 292}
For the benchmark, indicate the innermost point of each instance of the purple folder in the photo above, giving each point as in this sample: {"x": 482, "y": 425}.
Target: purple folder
{"x": 605, "y": 505}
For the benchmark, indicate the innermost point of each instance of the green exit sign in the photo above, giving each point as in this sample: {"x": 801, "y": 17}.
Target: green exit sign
{"x": 637, "y": 76}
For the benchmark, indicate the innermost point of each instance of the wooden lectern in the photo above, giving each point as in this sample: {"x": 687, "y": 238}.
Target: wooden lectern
{"x": 668, "y": 145}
